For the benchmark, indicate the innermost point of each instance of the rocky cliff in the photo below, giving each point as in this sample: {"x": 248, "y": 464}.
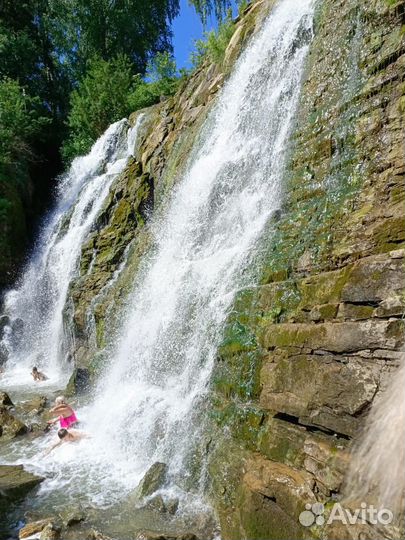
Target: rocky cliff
{"x": 307, "y": 351}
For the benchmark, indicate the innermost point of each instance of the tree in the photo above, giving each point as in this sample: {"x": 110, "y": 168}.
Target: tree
{"x": 100, "y": 99}
{"x": 207, "y": 8}
{"x": 20, "y": 121}
{"x": 83, "y": 29}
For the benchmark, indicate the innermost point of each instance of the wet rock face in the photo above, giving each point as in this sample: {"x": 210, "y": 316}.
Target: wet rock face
{"x": 10, "y": 426}
{"x": 5, "y": 400}
{"x": 15, "y": 483}
{"x": 33, "y": 528}
{"x": 154, "y": 479}
{"x": 307, "y": 352}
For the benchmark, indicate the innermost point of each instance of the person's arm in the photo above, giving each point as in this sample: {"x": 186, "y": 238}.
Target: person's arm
{"x": 53, "y": 421}
{"x": 60, "y": 409}
{"x": 52, "y": 448}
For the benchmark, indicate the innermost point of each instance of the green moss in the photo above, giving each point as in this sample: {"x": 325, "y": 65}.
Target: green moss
{"x": 390, "y": 234}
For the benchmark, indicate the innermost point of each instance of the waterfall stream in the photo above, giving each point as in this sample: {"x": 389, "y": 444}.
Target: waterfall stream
{"x": 35, "y": 335}
{"x": 149, "y": 404}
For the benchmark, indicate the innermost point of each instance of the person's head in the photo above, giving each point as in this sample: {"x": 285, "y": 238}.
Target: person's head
{"x": 60, "y": 400}
{"x": 62, "y": 433}
{"x": 34, "y": 370}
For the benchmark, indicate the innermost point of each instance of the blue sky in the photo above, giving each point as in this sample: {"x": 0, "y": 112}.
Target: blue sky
{"x": 186, "y": 28}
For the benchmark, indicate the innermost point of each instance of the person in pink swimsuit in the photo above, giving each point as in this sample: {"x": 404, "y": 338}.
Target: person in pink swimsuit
{"x": 67, "y": 417}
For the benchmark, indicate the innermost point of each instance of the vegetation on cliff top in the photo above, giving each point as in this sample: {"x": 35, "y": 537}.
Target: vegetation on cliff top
{"x": 68, "y": 68}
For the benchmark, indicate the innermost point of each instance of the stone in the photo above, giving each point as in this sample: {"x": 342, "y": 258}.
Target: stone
{"x": 33, "y": 528}
{"x": 50, "y": 532}
{"x": 172, "y": 506}
{"x": 374, "y": 280}
{"x": 290, "y": 488}
{"x": 355, "y": 311}
{"x": 324, "y": 312}
{"x": 319, "y": 391}
{"x": 96, "y": 535}
{"x": 73, "y": 516}
{"x": 16, "y": 482}
{"x": 35, "y": 405}
{"x": 5, "y": 400}
{"x": 336, "y": 337}
{"x": 153, "y": 480}
{"x": 157, "y": 503}
{"x": 10, "y": 426}
{"x": 79, "y": 382}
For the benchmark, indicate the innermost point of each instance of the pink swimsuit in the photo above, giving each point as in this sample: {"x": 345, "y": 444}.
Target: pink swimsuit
{"x": 68, "y": 421}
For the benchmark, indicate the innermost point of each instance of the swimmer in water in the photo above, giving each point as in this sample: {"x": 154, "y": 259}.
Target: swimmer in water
{"x": 38, "y": 375}
{"x": 66, "y": 436}
{"x": 67, "y": 416}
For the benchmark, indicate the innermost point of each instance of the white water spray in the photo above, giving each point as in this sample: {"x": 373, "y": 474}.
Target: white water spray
{"x": 35, "y": 307}
{"x": 378, "y": 461}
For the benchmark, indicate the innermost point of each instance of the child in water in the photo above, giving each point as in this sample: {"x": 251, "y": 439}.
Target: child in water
{"x": 38, "y": 375}
{"x": 67, "y": 435}
{"x": 67, "y": 416}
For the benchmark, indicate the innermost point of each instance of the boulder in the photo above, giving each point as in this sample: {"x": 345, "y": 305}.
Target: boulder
{"x": 78, "y": 382}
{"x": 5, "y": 400}
{"x": 16, "y": 482}
{"x": 154, "y": 479}
{"x": 36, "y": 405}
{"x": 33, "y": 528}
{"x": 159, "y": 504}
{"x": 73, "y": 516}
{"x": 10, "y": 426}
{"x": 50, "y": 532}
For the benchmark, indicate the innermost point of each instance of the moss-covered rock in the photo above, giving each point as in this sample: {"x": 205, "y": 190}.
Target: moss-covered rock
{"x": 323, "y": 331}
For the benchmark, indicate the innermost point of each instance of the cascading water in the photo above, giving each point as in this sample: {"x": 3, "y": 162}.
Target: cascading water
{"x": 203, "y": 242}
{"x": 148, "y": 407}
{"x": 378, "y": 462}
{"x": 35, "y": 308}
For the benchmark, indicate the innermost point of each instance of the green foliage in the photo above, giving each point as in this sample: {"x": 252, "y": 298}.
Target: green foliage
{"x": 207, "y": 8}
{"x": 215, "y": 43}
{"x": 83, "y": 29}
{"x": 20, "y": 120}
{"x": 99, "y": 100}
{"x": 109, "y": 92}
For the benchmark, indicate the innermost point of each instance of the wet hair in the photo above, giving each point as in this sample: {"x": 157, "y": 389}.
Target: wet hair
{"x": 59, "y": 400}
{"x": 62, "y": 433}
{"x": 34, "y": 369}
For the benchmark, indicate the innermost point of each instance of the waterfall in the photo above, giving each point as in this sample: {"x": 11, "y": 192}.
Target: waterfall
{"x": 378, "y": 461}
{"x": 148, "y": 405}
{"x": 35, "y": 335}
